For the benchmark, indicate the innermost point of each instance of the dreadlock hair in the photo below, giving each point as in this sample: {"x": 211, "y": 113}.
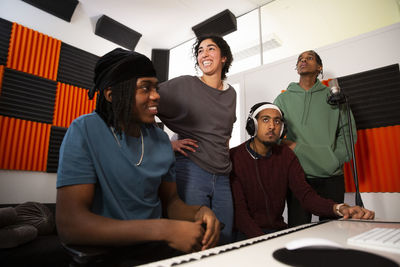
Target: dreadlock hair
{"x": 117, "y": 113}
{"x": 223, "y": 46}
{"x": 119, "y": 70}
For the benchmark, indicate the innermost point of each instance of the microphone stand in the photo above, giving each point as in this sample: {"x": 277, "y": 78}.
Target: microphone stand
{"x": 359, "y": 201}
{"x": 337, "y": 97}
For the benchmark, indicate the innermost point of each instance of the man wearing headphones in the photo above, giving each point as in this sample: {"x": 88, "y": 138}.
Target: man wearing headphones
{"x": 262, "y": 173}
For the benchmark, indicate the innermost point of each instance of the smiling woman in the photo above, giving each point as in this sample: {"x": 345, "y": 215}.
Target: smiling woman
{"x": 201, "y": 110}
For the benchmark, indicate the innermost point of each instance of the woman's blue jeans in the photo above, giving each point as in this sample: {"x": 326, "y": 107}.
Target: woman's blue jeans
{"x": 199, "y": 187}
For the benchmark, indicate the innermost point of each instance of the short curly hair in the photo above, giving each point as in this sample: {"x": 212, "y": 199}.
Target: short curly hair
{"x": 223, "y": 46}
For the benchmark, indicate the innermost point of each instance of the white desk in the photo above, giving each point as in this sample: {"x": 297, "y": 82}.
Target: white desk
{"x": 259, "y": 253}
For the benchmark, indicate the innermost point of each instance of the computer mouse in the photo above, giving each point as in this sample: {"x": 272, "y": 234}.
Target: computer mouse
{"x": 310, "y": 242}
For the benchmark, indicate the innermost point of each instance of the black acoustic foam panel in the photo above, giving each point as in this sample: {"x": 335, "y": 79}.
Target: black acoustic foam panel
{"x": 374, "y": 96}
{"x": 56, "y": 137}
{"x": 62, "y": 9}
{"x": 76, "y": 66}
{"x": 5, "y": 34}
{"x": 28, "y": 97}
{"x": 160, "y": 59}
{"x": 221, "y": 24}
{"x": 116, "y": 32}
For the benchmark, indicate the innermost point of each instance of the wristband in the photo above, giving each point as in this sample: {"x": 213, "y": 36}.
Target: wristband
{"x": 337, "y": 209}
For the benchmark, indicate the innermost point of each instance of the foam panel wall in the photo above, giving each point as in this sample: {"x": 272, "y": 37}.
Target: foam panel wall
{"x": 33, "y": 52}
{"x": 76, "y": 66}
{"x": 5, "y": 33}
{"x": 43, "y": 85}
{"x": 377, "y": 156}
{"x": 374, "y": 96}
{"x": 23, "y": 144}
{"x": 71, "y": 102}
{"x": 27, "y": 96}
{"x": 1, "y": 77}
{"x": 56, "y": 137}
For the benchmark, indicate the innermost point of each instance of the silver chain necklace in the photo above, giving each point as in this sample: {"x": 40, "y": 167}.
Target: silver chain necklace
{"x": 141, "y": 156}
{"x": 141, "y": 138}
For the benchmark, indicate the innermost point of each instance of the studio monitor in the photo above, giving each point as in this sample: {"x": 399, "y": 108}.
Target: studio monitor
{"x": 160, "y": 59}
{"x": 59, "y": 8}
{"x": 220, "y": 24}
{"x": 117, "y": 33}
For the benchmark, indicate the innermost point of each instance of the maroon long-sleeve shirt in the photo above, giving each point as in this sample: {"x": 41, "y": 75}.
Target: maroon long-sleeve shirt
{"x": 278, "y": 172}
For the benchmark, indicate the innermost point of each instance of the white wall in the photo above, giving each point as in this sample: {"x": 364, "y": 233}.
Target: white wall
{"x": 365, "y": 52}
{"x": 22, "y": 186}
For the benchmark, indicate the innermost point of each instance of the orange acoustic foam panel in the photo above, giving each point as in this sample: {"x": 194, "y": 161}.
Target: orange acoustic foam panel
{"x": 71, "y": 102}
{"x": 33, "y": 52}
{"x": 23, "y": 144}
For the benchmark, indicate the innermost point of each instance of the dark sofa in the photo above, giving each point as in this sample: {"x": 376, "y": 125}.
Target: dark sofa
{"x": 48, "y": 250}
{"x": 44, "y": 250}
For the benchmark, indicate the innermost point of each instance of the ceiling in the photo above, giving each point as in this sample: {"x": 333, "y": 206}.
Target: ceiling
{"x": 165, "y": 24}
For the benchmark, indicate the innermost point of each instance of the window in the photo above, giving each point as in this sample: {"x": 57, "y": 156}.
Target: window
{"x": 296, "y": 26}
{"x": 244, "y": 43}
{"x": 181, "y": 61}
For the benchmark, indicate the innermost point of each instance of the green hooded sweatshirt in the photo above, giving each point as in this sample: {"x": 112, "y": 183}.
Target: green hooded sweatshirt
{"x": 319, "y": 129}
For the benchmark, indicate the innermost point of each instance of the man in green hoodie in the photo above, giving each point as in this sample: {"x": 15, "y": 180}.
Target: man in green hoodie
{"x": 318, "y": 134}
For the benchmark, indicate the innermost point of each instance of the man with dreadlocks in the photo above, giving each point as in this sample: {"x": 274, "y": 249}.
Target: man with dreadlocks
{"x": 116, "y": 175}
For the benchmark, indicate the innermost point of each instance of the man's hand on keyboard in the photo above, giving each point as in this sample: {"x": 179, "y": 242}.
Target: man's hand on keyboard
{"x": 356, "y": 212}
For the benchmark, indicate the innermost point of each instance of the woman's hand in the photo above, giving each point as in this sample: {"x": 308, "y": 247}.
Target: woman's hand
{"x": 184, "y": 144}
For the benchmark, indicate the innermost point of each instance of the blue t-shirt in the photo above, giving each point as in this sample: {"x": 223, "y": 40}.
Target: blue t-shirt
{"x": 91, "y": 154}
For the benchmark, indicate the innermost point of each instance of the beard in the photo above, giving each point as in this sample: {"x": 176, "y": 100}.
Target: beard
{"x": 268, "y": 144}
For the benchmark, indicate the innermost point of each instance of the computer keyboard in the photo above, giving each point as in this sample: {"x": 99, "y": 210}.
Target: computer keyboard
{"x": 378, "y": 238}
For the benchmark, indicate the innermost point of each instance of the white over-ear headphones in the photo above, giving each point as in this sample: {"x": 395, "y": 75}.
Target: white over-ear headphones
{"x": 252, "y": 124}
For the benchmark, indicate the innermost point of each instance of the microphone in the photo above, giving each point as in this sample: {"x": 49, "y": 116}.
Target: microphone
{"x": 335, "y": 96}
